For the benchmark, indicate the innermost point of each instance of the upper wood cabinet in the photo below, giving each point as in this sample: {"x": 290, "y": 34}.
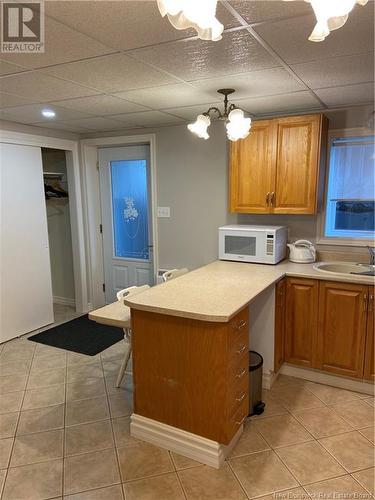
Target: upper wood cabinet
{"x": 301, "y": 321}
{"x": 278, "y": 168}
{"x": 369, "y": 368}
{"x": 252, "y": 170}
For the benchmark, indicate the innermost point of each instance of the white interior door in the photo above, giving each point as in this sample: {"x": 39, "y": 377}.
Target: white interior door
{"x": 25, "y": 287}
{"x": 125, "y": 191}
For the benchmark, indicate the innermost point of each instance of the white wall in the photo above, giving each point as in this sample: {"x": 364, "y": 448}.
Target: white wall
{"x": 192, "y": 179}
{"x": 59, "y": 231}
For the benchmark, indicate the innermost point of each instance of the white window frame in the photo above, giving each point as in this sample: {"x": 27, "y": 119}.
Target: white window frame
{"x": 321, "y": 239}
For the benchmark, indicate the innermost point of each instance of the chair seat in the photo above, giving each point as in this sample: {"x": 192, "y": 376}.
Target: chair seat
{"x": 116, "y": 314}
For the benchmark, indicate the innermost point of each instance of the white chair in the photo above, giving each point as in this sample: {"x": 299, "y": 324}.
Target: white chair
{"x": 174, "y": 273}
{"x": 118, "y": 314}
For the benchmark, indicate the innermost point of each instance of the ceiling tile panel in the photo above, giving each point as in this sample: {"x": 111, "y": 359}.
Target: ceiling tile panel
{"x": 8, "y": 100}
{"x": 40, "y": 87}
{"x": 237, "y": 52}
{"x": 256, "y": 83}
{"x": 147, "y": 118}
{"x": 63, "y": 126}
{"x": 255, "y": 11}
{"x": 191, "y": 112}
{"x": 278, "y": 104}
{"x": 122, "y": 24}
{"x": 93, "y": 123}
{"x": 167, "y": 96}
{"x": 337, "y": 71}
{"x": 100, "y": 105}
{"x": 33, "y": 113}
{"x": 350, "y": 94}
{"x": 111, "y": 73}
{"x": 62, "y": 44}
{"x": 289, "y": 38}
{"x": 7, "y": 68}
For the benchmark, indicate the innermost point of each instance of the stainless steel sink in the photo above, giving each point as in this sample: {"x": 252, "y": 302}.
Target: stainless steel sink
{"x": 344, "y": 268}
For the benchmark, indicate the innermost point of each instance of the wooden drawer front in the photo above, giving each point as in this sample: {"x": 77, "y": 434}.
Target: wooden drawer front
{"x": 237, "y": 394}
{"x": 239, "y": 346}
{"x": 238, "y": 335}
{"x": 238, "y": 374}
{"x": 238, "y": 417}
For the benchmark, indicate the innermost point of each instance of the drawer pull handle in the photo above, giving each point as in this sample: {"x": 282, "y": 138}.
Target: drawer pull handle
{"x": 241, "y": 374}
{"x": 241, "y": 349}
{"x": 241, "y": 398}
{"x": 241, "y": 324}
{"x": 241, "y": 421}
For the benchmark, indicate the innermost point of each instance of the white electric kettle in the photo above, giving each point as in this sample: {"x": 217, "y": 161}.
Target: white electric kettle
{"x": 302, "y": 251}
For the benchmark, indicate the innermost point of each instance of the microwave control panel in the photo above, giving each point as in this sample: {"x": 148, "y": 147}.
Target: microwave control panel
{"x": 270, "y": 244}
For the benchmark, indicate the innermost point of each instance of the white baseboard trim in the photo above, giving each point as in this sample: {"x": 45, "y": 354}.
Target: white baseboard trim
{"x": 64, "y": 301}
{"x": 328, "y": 379}
{"x": 184, "y": 443}
{"x": 268, "y": 378}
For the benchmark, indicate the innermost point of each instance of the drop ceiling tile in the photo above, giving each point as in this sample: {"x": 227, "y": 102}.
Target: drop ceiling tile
{"x": 257, "y": 11}
{"x": 100, "y": 105}
{"x": 277, "y": 104}
{"x": 188, "y": 113}
{"x": 41, "y": 87}
{"x": 147, "y": 119}
{"x": 122, "y": 24}
{"x": 62, "y": 44}
{"x": 9, "y": 100}
{"x": 237, "y": 52}
{"x": 255, "y": 83}
{"x": 337, "y": 71}
{"x": 33, "y": 113}
{"x": 111, "y": 73}
{"x": 93, "y": 123}
{"x": 7, "y": 68}
{"x": 167, "y": 96}
{"x": 289, "y": 38}
{"x": 348, "y": 95}
{"x": 62, "y": 126}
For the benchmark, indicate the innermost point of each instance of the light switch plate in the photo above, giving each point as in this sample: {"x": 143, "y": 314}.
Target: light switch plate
{"x": 164, "y": 212}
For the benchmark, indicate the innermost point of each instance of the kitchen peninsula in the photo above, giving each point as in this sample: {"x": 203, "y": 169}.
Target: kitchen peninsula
{"x": 190, "y": 353}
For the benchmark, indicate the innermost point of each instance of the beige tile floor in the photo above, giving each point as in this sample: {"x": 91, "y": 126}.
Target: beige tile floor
{"x": 64, "y": 433}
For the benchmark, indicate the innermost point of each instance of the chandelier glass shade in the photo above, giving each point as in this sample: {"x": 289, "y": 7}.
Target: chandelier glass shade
{"x": 237, "y": 126}
{"x": 197, "y": 14}
{"x": 330, "y": 15}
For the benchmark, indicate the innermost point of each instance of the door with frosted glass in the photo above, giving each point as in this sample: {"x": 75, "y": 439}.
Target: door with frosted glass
{"x": 126, "y": 217}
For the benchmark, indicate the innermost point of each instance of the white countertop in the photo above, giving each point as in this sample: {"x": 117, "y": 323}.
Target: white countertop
{"x": 216, "y": 292}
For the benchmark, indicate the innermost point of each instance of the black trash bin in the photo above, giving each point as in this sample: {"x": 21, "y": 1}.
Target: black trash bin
{"x": 256, "y": 405}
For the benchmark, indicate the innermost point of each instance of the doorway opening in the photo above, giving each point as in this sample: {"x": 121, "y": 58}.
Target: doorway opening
{"x": 56, "y": 191}
{"x": 127, "y": 217}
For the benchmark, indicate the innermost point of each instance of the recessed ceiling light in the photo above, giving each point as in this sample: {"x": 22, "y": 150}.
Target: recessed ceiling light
{"x": 48, "y": 113}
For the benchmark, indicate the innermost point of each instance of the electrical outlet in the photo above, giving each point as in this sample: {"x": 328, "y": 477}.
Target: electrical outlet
{"x": 164, "y": 212}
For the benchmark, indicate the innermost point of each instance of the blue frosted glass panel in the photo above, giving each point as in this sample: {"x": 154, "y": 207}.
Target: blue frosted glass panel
{"x": 130, "y": 208}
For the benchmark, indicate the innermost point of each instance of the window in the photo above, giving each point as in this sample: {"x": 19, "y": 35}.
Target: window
{"x": 350, "y": 205}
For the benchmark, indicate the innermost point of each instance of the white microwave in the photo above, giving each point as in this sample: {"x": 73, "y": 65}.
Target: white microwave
{"x": 260, "y": 244}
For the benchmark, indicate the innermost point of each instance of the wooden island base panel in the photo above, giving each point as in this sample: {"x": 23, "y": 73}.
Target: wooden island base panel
{"x": 191, "y": 380}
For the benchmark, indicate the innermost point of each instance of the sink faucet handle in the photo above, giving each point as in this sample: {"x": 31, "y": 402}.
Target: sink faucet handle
{"x": 372, "y": 254}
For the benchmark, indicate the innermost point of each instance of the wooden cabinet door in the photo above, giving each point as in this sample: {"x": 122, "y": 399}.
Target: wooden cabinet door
{"x": 301, "y": 321}
{"x": 369, "y": 369}
{"x": 342, "y": 328}
{"x": 297, "y": 164}
{"x": 252, "y": 170}
{"x": 280, "y": 297}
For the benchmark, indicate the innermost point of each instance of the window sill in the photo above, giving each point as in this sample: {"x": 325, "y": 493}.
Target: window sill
{"x": 345, "y": 242}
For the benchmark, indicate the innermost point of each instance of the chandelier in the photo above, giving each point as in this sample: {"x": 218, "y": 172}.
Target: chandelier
{"x": 197, "y": 14}
{"x": 330, "y": 15}
{"x": 238, "y": 127}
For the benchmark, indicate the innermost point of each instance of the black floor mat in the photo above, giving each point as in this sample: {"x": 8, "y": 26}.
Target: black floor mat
{"x": 80, "y": 335}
